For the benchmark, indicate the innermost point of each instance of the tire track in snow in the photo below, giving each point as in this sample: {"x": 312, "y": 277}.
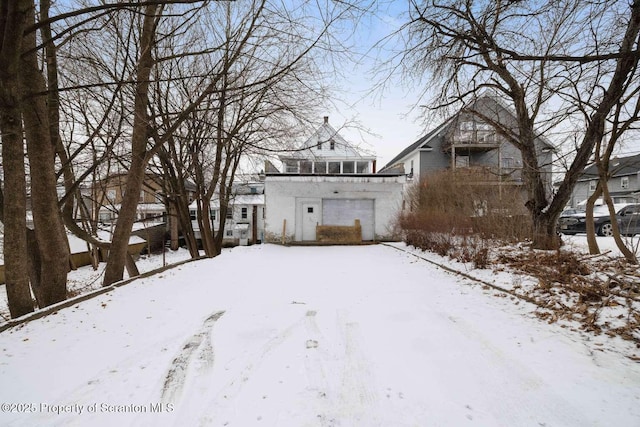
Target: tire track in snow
{"x": 316, "y": 367}
{"x": 233, "y": 388}
{"x": 197, "y": 348}
{"x": 357, "y": 397}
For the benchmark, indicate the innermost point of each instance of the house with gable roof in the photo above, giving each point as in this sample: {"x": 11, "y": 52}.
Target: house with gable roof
{"x": 623, "y": 182}
{"x": 328, "y": 182}
{"x": 465, "y": 141}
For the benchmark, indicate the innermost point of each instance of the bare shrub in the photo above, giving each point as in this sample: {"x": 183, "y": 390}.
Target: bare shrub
{"x": 459, "y": 213}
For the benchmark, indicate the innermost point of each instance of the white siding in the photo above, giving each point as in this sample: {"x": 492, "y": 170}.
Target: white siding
{"x": 286, "y": 195}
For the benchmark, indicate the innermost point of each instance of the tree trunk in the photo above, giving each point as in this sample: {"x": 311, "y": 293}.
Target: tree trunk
{"x": 545, "y": 235}
{"x": 135, "y": 176}
{"x": 48, "y": 226}
{"x": 626, "y": 252}
{"x": 14, "y": 204}
{"x": 206, "y": 227}
{"x": 590, "y": 224}
{"x": 53, "y": 104}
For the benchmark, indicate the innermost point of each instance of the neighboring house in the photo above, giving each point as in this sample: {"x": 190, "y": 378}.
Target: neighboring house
{"x": 466, "y": 141}
{"x": 623, "y": 184}
{"x": 328, "y": 182}
{"x": 108, "y": 193}
{"x": 244, "y": 222}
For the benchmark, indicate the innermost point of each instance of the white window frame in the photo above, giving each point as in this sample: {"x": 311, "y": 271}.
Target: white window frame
{"x": 592, "y": 185}
{"x": 624, "y": 182}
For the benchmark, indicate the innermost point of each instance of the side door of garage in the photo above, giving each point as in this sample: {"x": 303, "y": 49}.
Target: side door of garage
{"x": 310, "y": 218}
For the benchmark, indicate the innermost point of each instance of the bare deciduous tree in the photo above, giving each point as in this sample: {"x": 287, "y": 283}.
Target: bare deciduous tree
{"x": 533, "y": 55}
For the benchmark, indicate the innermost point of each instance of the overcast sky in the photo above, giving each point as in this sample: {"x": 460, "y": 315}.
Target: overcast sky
{"x": 386, "y": 113}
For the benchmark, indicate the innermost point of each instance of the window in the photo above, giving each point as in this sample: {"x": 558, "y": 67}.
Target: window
{"x": 243, "y": 213}
{"x": 624, "y": 182}
{"x": 592, "y": 185}
{"x": 334, "y": 167}
{"x": 507, "y": 162}
{"x": 192, "y": 215}
{"x": 462, "y": 161}
{"x": 320, "y": 167}
{"x": 332, "y": 145}
{"x": 230, "y": 213}
{"x": 466, "y": 126}
{"x": 291, "y": 166}
{"x": 305, "y": 166}
{"x": 214, "y": 214}
{"x": 347, "y": 167}
{"x": 363, "y": 167}
{"x": 310, "y": 209}
{"x": 229, "y": 233}
{"x": 319, "y": 146}
{"x": 253, "y": 190}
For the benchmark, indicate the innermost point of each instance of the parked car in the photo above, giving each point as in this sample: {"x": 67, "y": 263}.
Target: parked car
{"x": 629, "y": 220}
{"x": 573, "y": 223}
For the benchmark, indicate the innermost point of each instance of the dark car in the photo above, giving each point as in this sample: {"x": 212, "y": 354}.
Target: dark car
{"x": 573, "y": 223}
{"x": 629, "y": 220}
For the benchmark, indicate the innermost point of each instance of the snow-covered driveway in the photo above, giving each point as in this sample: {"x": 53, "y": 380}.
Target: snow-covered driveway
{"x": 309, "y": 336}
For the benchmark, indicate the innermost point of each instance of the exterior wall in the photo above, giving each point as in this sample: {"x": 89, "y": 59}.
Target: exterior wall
{"x": 435, "y": 160}
{"x": 583, "y": 189}
{"x": 412, "y": 165}
{"x": 286, "y": 195}
{"x": 231, "y": 234}
{"x": 107, "y": 197}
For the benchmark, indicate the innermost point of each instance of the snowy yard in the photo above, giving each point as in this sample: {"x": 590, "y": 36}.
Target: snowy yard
{"x": 311, "y": 336}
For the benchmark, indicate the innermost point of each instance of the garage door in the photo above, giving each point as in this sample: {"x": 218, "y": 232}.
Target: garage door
{"x": 346, "y": 211}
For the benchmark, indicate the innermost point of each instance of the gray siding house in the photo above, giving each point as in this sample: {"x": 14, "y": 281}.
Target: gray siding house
{"x": 624, "y": 181}
{"x": 466, "y": 141}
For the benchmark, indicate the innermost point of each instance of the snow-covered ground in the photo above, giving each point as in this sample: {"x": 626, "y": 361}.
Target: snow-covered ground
{"x": 310, "y": 336}
{"x": 86, "y": 279}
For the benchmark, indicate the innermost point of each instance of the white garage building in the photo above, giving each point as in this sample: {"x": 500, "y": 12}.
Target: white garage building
{"x": 295, "y": 205}
{"x": 328, "y": 182}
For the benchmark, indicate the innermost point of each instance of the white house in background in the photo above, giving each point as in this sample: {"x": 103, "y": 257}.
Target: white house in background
{"x": 329, "y": 182}
{"x": 245, "y": 216}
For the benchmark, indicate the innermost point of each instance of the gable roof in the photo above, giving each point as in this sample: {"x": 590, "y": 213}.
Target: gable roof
{"x": 423, "y": 142}
{"x": 618, "y": 166}
{"x": 317, "y": 146}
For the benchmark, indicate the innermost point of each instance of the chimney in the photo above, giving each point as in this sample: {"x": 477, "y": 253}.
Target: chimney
{"x": 326, "y": 119}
